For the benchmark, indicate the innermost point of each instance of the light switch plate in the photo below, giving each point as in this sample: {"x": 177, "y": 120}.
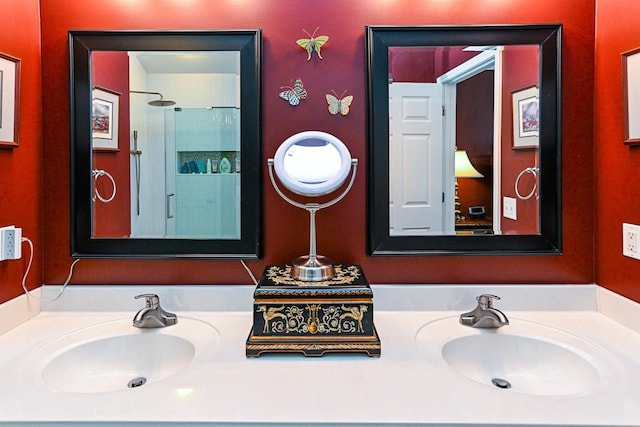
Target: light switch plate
{"x": 509, "y": 208}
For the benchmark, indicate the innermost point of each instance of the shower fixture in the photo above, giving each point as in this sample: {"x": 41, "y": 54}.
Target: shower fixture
{"x": 157, "y": 102}
{"x": 136, "y": 154}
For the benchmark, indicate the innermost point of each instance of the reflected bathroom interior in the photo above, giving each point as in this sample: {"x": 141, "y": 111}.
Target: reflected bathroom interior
{"x": 475, "y": 85}
{"x": 182, "y": 115}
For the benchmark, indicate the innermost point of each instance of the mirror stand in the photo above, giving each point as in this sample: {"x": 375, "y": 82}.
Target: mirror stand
{"x": 312, "y": 267}
{"x": 313, "y": 307}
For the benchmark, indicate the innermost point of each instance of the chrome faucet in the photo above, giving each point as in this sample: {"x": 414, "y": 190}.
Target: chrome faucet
{"x": 152, "y": 315}
{"x": 484, "y": 315}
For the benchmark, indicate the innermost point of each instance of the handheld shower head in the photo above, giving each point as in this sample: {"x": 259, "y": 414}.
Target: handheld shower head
{"x": 156, "y": 102}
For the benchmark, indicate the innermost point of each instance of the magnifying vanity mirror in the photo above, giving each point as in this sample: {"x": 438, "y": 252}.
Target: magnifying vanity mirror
{"x": 464, "y": 139}
{"x": 165, "y": 137}
{"x": 312, "y": 164}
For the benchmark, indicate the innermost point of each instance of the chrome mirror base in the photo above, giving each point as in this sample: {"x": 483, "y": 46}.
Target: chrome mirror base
{"x": 314, "y": 269}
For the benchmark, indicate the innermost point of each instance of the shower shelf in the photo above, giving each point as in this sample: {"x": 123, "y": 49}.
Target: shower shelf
{"x": 195, "y": 162}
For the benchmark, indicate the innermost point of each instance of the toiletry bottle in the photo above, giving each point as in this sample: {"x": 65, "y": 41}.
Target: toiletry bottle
{"x": 208, "y": 165}
{"x": 225, "y": 164}
{"x": 238, "y": 162}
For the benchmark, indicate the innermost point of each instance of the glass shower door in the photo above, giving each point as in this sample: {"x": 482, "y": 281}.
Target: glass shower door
{"x": 203, "y": 173}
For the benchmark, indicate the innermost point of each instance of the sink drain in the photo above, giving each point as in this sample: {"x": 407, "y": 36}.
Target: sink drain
{"x": 500, "y": 383}
{"x": 137, "y": 382}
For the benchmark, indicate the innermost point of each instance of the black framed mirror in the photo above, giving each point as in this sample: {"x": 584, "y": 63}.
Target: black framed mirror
{"x": 165, "y": 144}
{"x": 490, "y": 95}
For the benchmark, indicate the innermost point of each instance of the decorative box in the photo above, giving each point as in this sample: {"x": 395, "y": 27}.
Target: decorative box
{"x": 313, "y": 318}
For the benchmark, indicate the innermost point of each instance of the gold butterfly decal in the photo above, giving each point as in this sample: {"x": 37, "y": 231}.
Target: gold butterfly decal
{"x": 312, "y": 43}
{"x": 339, "y": 104}
{"x": 294, "y": 94}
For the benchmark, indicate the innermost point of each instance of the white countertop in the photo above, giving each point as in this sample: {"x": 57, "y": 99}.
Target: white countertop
{"x": 400, "y": 387}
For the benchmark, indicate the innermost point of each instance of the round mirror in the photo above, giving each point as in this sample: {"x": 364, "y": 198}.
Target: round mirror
{"x": 312, "y": 163}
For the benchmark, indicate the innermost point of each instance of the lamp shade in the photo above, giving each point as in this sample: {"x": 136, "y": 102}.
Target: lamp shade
{"x": 463, "y": 166}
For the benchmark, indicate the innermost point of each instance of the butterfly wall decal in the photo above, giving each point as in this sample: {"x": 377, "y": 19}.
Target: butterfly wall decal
{"x": 312, "y": 43}
{"x": 293, "y": 94}
{"x": 339, "y": 104}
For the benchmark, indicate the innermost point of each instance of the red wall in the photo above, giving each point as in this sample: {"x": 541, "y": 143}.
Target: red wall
{"x": 520, "y": 66}
{"x": 111, "y": 71}
{"x": 617, "y": 166}
{"x": 474, "y": 133}
{"x": 413, "y": 64}
{"x": 424, "y": 64}
{"x": 21, "y": 168}
{"x": 342, "y": 228}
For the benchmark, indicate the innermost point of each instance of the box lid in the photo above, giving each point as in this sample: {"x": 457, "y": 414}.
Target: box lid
{"x": 348, "y": 281}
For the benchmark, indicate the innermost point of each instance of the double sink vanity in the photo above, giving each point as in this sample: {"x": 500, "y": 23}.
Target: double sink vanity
{"x": 541, "y": 355}
{"x": 564, "y": 355}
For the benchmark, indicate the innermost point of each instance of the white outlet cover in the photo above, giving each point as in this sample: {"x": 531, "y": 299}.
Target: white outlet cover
{"x": 630, "y": 240}
{"x": 10, "y": 243}
{"x": 509, "y": 208}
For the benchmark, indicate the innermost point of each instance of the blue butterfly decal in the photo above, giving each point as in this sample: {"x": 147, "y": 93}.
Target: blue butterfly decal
{"x": 294, "y": 94}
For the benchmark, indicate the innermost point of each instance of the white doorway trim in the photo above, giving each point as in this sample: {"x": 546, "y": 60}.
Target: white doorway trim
{"x": 487, "y": 60}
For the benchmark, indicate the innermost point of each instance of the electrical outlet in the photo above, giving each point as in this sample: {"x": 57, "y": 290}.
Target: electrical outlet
{"x": 509, "y": 208}
{"x": 10, "y": 243}
{"x": 630, "y": 236}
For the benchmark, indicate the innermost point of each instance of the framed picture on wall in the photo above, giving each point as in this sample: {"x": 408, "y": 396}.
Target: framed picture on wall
{"x": 631, "y": 95}
{"x": 104, "y": 119}
{"x": 9, "y": 100}
{"x": 524, "y": 106}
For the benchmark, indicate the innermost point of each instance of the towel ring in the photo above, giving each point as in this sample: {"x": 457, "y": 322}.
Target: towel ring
{"x": 533, "y": 171}
{"x": 97, "y": 173}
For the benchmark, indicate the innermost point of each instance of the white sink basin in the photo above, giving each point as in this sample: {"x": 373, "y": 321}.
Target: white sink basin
{"x": 115, "y": 356}
{"x": 523, "y": 357}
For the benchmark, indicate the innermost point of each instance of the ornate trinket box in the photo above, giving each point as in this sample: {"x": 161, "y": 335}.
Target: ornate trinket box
{"x": 313, "y": 318}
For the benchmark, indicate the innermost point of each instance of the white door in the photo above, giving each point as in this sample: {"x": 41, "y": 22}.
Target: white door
{"x": 416, "y": 198}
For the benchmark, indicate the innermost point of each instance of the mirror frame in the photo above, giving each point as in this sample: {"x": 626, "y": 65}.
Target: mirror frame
{"x": 249, "y": 44}
{"x": 378, "y": 39}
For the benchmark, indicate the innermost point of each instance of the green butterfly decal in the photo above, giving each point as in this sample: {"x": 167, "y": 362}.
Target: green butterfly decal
{"x": 312, "y": 43}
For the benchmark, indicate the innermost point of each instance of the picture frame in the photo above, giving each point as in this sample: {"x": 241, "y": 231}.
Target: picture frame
{"x": 526, "y": 118}
{"x": 631, "y": 96}
{"x": 9, "y": 100}
{"x": 104, "y": 119}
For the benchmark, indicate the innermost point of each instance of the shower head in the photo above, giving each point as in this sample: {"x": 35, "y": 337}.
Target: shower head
{"x": 157, "y": 102}
{"x": 161, "y": 102}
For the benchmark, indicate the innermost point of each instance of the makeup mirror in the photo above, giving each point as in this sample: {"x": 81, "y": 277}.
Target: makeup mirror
{"x": 166, "y": 143}
{"x": 312, "y": 164}
{"x": 490, "y": 92}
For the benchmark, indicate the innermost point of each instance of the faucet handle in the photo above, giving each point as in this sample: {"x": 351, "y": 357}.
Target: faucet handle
{"x": 486, "y": 300}
{"x": 152, "y": 300}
